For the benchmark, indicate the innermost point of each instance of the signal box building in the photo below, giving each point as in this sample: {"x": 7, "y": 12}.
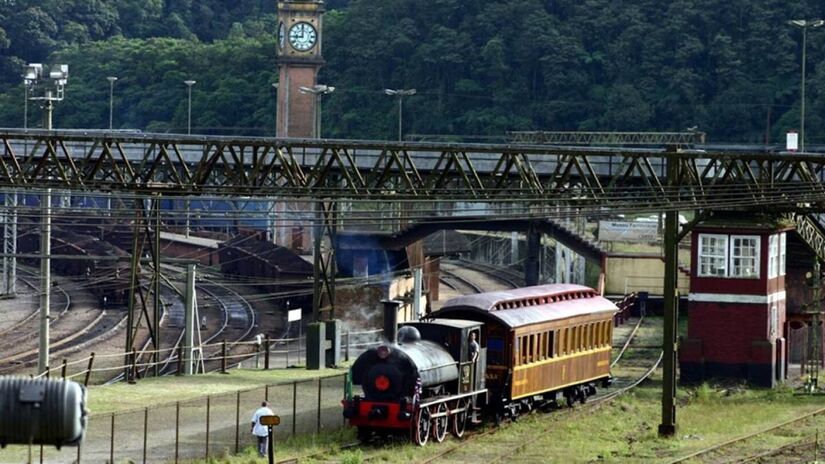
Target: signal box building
{"x": 737, "y": 302}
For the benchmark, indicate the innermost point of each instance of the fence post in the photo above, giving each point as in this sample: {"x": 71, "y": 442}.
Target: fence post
{"x": 346, "y": 352}
{"x": 63, "y": 369}
{"x": 89, "y": 369}
{"x": 112, "y": 441}
{"x": 177, "y": 429}
{"x": 266, "y": 392}
{"x": 266, "y": 359}
{"x": 133, "y": 373}
{"x": 320, "y": 385}
{"x": 180, "y": 360}
{"x": 346, "y": 381}
{"x": 223, "y": 357}
{"x": 237, "y": 421}
{"x": 145, "y": 431}
{"x": 208, "y": 405}
{"x": 294, "y": 405}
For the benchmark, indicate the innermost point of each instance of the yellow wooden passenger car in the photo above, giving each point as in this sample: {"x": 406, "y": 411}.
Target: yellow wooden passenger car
{"x": 540, "y": 342}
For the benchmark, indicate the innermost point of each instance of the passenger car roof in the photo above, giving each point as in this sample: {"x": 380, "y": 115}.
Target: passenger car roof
{"x": 529, "y": 305}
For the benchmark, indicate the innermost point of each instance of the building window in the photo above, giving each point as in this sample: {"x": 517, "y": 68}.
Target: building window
{"x": 713, "y": 255}
{"x": 783, "y": 241}
{"x": 773, "y": 256}
{"x": 744, "y": 256}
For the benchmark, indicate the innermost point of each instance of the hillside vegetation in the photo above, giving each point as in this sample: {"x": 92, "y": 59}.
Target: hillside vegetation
{"x": 481, "y": 67}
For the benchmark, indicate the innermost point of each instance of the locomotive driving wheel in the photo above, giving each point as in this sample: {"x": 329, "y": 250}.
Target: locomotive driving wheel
{"x": 440, "y": 423}
{"x": 421, "y": 426}
{"x": 459, "y": 421}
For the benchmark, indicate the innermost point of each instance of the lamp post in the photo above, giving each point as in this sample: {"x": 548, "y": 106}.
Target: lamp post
{"x": 400, "y": 93}
{"x": 318, "y": 91}
{"x": 111, "y": 80}
{"x": 53, "y": 86}
{"x": 189, "y": 83}
{"x": 804, "y": 24}
{"x": 26, "y": 84}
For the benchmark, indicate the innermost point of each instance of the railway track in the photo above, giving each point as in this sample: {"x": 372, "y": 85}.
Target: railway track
{"x": 26, "y": 332}
{"x": 722, "y": 452}
{"x": 100, "y": 328}
{"x": 17, "y": 325}
{"x": 237, "y": 319}
{"x": 461, "y": 284}
{"x": 507, "y": 276}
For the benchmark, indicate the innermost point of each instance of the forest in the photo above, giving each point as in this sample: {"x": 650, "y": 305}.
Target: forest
{"x": 481, "y": 67}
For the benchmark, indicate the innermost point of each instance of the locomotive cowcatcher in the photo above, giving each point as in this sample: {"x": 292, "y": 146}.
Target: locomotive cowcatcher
{"x": 535, "y": 343}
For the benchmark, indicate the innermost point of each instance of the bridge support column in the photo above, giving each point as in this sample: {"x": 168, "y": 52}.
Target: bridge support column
{"x": 8, "y": 286}
{"x": 531, "y": 260}
{"x": 138, "y": 291}
{"x": 325, "y": 232}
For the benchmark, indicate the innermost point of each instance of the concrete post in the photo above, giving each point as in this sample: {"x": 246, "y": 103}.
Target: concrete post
{"x": 418, "y": 309}
{"x": 531, "y": 260}
{"x": 190, "y": 323}
{"x": 45, "y": 280}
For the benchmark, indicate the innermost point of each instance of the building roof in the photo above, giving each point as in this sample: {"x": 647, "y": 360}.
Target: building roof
{"x": 191, "y": 240}
{"x": 285, "y": 260}
{"x": 529, "y": 305}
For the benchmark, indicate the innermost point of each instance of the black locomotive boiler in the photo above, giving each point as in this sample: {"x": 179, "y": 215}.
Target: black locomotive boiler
{"x": 536, "y": 344}
{"x": 426, "y": 378}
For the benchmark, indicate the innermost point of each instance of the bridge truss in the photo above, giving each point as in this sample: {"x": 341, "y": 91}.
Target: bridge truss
{"x": 532, "y": 180}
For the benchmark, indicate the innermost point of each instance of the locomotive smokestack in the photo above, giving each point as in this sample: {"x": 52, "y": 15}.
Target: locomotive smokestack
{"x": 391, "y": 320}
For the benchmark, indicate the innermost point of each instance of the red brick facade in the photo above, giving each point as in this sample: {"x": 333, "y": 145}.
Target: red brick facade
{"x": 298, "y": 67}
{"x": 296, "y": 110}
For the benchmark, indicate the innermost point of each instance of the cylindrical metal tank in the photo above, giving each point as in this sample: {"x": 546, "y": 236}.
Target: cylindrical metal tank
{"x": 389, "y": 371}
{"x": 41, "y": 411}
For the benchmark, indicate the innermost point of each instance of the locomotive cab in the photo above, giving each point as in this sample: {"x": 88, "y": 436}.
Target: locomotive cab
{"x": 454, "y": 336}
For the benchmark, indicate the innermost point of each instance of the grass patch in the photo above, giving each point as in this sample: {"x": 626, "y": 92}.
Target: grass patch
{"x": 161, "y": 390}
{"x": 298, "y": 447}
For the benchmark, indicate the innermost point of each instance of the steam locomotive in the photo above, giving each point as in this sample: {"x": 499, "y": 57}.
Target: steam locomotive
{"x": 537, "y": 345}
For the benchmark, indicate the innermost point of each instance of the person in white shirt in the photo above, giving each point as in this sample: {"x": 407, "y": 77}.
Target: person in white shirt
{"x": 261, "y": 432}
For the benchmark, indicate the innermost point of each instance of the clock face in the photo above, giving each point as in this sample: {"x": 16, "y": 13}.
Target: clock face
{"x": 302, "y": 36}
{"x": 281, "y": 35}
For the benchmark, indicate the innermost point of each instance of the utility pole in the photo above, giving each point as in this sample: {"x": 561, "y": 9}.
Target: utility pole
{"x": 671, "y": 300}
{"x": 191, "y": 323}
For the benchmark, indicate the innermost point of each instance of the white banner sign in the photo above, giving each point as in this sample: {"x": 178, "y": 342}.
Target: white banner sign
{"x": 628, "y": 231}
{"x": 294, "y": 315}
{"x": 792, "y": 141}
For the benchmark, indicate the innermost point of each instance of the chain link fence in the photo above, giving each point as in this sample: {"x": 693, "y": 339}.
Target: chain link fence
{"x": 211, "y": 426}
{"x": 214, "y": 425}
{"x": 211, "y": 357}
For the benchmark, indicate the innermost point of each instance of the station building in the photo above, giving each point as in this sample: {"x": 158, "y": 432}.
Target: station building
{"x": 746, "y": 283}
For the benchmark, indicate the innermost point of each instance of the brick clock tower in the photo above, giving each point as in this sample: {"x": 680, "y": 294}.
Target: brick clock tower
{"x": 299, "y": 59}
